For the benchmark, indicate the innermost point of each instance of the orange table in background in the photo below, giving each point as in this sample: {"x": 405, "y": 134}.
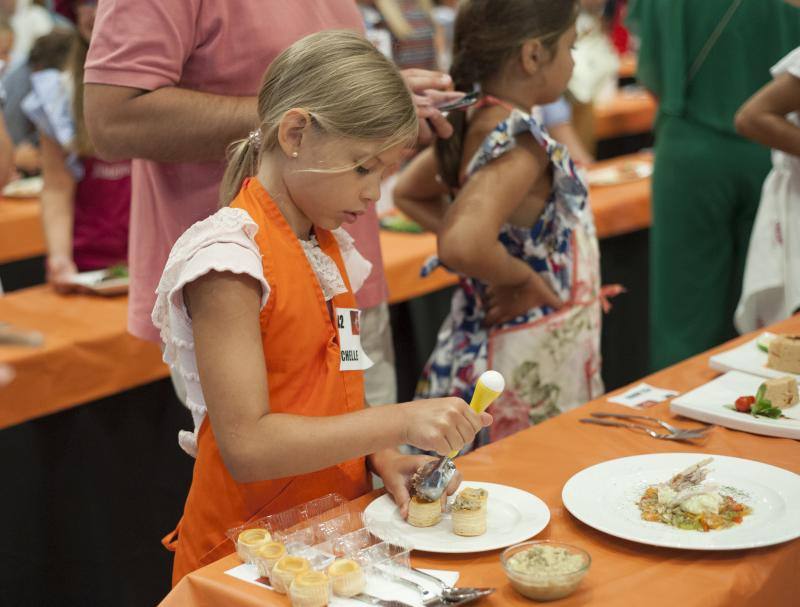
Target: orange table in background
{"x": 627, "y": 113}
{"x": 21, "y": 234}
{"x": 87, "y": 353}
{"x": 540, "y": 460}
{"x": 618, "y": 209}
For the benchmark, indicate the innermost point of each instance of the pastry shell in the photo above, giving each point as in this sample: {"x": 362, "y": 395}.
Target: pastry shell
{"x": 424, "y": 514}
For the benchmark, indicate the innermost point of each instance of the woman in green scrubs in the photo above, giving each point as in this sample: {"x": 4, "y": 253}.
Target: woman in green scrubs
{"x": 702, "y": 59}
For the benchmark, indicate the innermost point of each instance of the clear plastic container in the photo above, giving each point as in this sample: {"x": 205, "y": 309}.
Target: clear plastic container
{"x": 545, "y": 570}
{"x": 315, "y": 535}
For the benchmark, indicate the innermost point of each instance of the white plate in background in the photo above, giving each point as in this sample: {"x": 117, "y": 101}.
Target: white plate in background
{"x": 748, "y": 358}
{"x": 707, "y": 404}
{"x": 29, "y": 187}
{"x": 94, "y": 282}
{"x": 605, "y": 496}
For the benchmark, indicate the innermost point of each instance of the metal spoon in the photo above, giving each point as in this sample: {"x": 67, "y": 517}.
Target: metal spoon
{"x": 433, "y": 478}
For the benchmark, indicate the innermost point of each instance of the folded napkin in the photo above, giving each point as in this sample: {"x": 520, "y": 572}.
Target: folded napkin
{"x": 376, "y": 585}
{"x": 641, "y": 396}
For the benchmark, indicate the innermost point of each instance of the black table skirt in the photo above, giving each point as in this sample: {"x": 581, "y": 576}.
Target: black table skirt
{"x": 88, "y": 494}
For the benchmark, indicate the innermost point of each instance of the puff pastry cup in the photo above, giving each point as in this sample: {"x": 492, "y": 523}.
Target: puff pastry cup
{"x": 347, "y": 577}
{"x": 469, "y": 511}
{"x": 249, "y": 541}
{"x": 267, "y": 555}
{"x": 424, "y": 514}
{"x": 310, "y": 589}
{"x": 285, "y": 570}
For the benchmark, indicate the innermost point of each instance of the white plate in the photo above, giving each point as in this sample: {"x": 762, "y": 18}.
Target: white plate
{"x": 748, "y": 358}
{"x": 605, "y": 497}
{"x": 514, "y": 515}
{"x": 707, "y": 404}
{"x": 30, "y": 187}
{"x": 93, "y": 281}
{"x": 623, "y": 173}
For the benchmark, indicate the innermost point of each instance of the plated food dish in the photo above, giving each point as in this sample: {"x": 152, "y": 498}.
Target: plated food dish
{"x": 687, "y": 502}
{"x": 110, "y": 281}
{"x": 512, "y": 515}
{"x": 716, "y": 403}
{"x": 607, "y": 497}
{"x": 754, "y": 357}
{"x": 783, "y": 353}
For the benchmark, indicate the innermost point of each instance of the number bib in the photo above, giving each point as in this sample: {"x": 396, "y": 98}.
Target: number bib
{"x": 353, "y": 357}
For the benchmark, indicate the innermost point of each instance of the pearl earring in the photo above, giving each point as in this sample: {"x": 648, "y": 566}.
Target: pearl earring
{"x": 295, "y": 154}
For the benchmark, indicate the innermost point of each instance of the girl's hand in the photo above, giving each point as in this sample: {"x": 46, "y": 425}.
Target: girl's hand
{"x": 442, "y": 424}
{"x": 396, "y": 470}
{"x": 506, "y": 302}
{"x": 60, "y": 270}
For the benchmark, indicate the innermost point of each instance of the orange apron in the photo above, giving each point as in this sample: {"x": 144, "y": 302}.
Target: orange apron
{"x": 301, "y": 349}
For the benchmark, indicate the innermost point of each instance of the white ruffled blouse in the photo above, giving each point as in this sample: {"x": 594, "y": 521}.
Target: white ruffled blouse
{"x": 225, "y": 242}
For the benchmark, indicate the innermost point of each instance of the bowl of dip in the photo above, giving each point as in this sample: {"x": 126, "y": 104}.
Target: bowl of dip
{"x": 545, "y": 570}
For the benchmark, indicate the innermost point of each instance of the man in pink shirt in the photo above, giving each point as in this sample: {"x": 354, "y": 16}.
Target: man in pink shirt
{"x": 171, "y": 84}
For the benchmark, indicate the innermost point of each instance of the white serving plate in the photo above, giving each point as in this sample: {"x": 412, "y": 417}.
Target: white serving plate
{"x": 605, "y": 496}
{"x": 707, "y": 404}
{"x": 514, "y": 515}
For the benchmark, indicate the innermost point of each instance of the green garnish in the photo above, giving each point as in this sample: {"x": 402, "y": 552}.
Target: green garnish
{"x": 117, "y": 271}
{"x": 765, "y": 408}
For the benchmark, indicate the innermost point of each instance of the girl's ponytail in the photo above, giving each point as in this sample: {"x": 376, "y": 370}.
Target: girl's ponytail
{"x": 242, "y": 163}
{"x": 449, "y": 151}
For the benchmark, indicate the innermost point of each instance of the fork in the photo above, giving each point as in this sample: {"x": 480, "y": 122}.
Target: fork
{"x": 374, "y": 600}
{"x": 684, "y": 435}
{"x": 667, "y": 426}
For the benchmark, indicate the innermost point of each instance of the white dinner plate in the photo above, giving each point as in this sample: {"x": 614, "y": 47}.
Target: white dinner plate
{"x": 605, "y": 496}
{"x": 513, "y": 516}
{"x": 748, "y": 358}
{"x": 96, "y": 282}
{"x": 622, "y": 173}
{"x": 707, "y": 404}
{"x": 29, "y": 187}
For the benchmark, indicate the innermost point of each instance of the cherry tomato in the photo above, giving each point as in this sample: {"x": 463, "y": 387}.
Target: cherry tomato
{"x": 743, "y": 403}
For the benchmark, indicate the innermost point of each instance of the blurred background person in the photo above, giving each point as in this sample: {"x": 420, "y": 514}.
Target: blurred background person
{"x": 404, "y": 30}
{"x": 702, "y": 60}
{"x": 85, "y": 200}
{"x": 771, "y": 289}
{"x": 29, "y": 21}
{"x": 48, "y": 52}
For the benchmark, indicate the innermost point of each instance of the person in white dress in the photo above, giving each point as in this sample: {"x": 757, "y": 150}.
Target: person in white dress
{"x": 771, "y": 287}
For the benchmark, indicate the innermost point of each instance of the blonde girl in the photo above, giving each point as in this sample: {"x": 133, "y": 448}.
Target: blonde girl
{"x": 512, "y": 219}
{"x": 257, "y": 312}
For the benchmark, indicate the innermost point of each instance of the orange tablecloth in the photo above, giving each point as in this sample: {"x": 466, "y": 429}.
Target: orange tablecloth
{"x": 618, "y": 209}
{"x": 21, "y": 234}
{"x": 627, "y": 113}
{"x": 87, "y": 353}
{"x": 541, "y": 459}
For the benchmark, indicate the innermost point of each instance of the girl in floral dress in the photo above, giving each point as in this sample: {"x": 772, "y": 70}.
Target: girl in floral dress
{"x": 518, "y": 229}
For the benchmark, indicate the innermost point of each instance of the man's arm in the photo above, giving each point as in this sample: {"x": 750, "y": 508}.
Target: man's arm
{"x": 168, "y": 124}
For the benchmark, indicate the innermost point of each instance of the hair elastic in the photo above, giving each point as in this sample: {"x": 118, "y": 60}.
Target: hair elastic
{"x": 254, "y": 138}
